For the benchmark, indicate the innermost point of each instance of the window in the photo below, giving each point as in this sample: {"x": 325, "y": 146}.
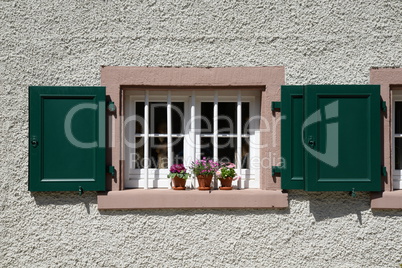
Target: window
{"x": 157, "y": 116}
{"x": 165, "y": 127}
{"x": 198, "y": 93}
{"x": 397, "y": 139}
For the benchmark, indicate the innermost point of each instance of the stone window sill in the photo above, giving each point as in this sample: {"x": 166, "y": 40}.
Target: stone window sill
{"x": 164, "y": 198}
{"x": 387, "y": 200}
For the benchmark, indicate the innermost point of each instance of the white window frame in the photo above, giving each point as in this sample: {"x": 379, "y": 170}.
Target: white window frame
{"x": 157, "y": 178}
{"x": 397, "y": 173}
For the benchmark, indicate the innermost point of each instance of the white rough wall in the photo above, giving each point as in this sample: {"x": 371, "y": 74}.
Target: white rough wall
{"x": 66, "y": 42}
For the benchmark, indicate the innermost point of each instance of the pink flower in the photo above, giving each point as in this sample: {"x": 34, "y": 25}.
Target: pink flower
{"x": 231, "y": 165}
{"x": 177, "y": 168}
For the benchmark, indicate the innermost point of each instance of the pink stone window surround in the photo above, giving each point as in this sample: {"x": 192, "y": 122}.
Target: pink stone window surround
{"x": 118, "y": 79}
{"x": 390, "y": 80}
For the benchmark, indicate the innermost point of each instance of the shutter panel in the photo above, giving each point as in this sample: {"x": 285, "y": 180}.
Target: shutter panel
{"x": 342, "y": 137}
{"x": 330, "y": 137}
{"x": 292, "y": 173}
{"x": 67, "y": 138}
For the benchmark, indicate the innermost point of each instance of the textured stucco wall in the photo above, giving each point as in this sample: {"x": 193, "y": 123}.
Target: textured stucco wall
{"x": 66, "y": 42}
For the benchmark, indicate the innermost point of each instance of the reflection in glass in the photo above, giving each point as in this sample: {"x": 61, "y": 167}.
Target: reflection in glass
{"x": 177, "y": 148}
{"x": 207, "y": 112}
{"x": 226, "y": 150}
{"x": 139, "y": 111}
{"x": 245, "y": 116}
{"x": 245, "y": 153}
{"x": 398, "y": 117}
{"x": 137, "y": 160}
{"x": 227, "y": 114}
{"x": 177, "y": 117}
{"x": 398, "y": 153}
{"x": 158, "y": 117}
{"x": 207, "y": 149}
{"x": 158, "y": 153}
{"x": 158, "y": 150}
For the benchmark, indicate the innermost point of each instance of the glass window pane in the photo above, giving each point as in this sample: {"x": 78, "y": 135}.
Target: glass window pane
{"x": 245, "y": 153}
{"x": 158, "y": 152}
{"x": 245, "y": 116}
{"x": 226, "y": 150}
{"x": 207, "y": 149}
{"x": 398, "y": 153}
{"x": 158, "y": 117}
{"x": 177, "y": 117}
{"x": 177, "y": 148}
{"x": 207, "y": 113}
{"x": 398, "y": 117}
{"x": 137, "y": 158}
{"x": 139, "y": 111}
{"x": 227, "y": 117}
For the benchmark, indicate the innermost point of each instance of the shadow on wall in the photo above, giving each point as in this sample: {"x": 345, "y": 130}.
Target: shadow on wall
{"x": 330, "y": 205}
{"x": 387, "y": 213}
{"x": 194, "y": 212}
{"x": 321, "y": 205}
{"x": 64, "y": 198}
{"x": 90, "y": 198}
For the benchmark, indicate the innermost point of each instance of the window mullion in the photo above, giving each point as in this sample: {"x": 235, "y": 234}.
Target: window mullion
{"x": 238, "y": 147}
{"x": 146, "y": 139}
{"x": 393, "y": 141}
{"x": 215, "y": 126}
{"x": 193, "y": 137}
{"x": 169, "y": 130}
{"x": 193, "y": 127}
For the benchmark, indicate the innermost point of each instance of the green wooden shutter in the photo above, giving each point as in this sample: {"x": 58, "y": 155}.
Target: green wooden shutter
{"x": 345, "y": 130}
{"x": 292, "y": 173}
{"x": 67, "y": 138}
{"x": 340, "y": 138}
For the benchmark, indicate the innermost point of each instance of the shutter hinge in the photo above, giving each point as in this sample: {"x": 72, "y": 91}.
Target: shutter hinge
{"x": 80, "y": 190}
{"x": 383, "y": 171}
{"x": 111, "y": 170}
{"x": 275, "y": 105}
{"x": 275, "y": 170}
{"x": 383, "y": 105}
{"x": 353, "y": 193}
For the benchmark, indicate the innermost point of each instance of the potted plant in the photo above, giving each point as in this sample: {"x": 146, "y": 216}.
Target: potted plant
{"x": 204, "y": 170}
{"x": 179, "y": 175}
{"x": 226, "y": 174}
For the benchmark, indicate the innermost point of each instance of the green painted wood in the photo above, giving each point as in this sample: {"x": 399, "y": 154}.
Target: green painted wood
{"x": 292, "y": 151}
{"x": 342, "y": 137}
{"x": 66, "y": 138}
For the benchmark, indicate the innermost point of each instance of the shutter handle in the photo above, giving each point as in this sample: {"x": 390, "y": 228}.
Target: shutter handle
{"x": 34, "y": 143}
{"x": 311, "y": 142}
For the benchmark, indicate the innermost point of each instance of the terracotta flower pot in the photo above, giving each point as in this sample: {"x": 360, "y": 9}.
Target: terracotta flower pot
{"x": 204, "y": 182}
{"x": 226, "y": 184}
{"x": 178, "y": 183}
